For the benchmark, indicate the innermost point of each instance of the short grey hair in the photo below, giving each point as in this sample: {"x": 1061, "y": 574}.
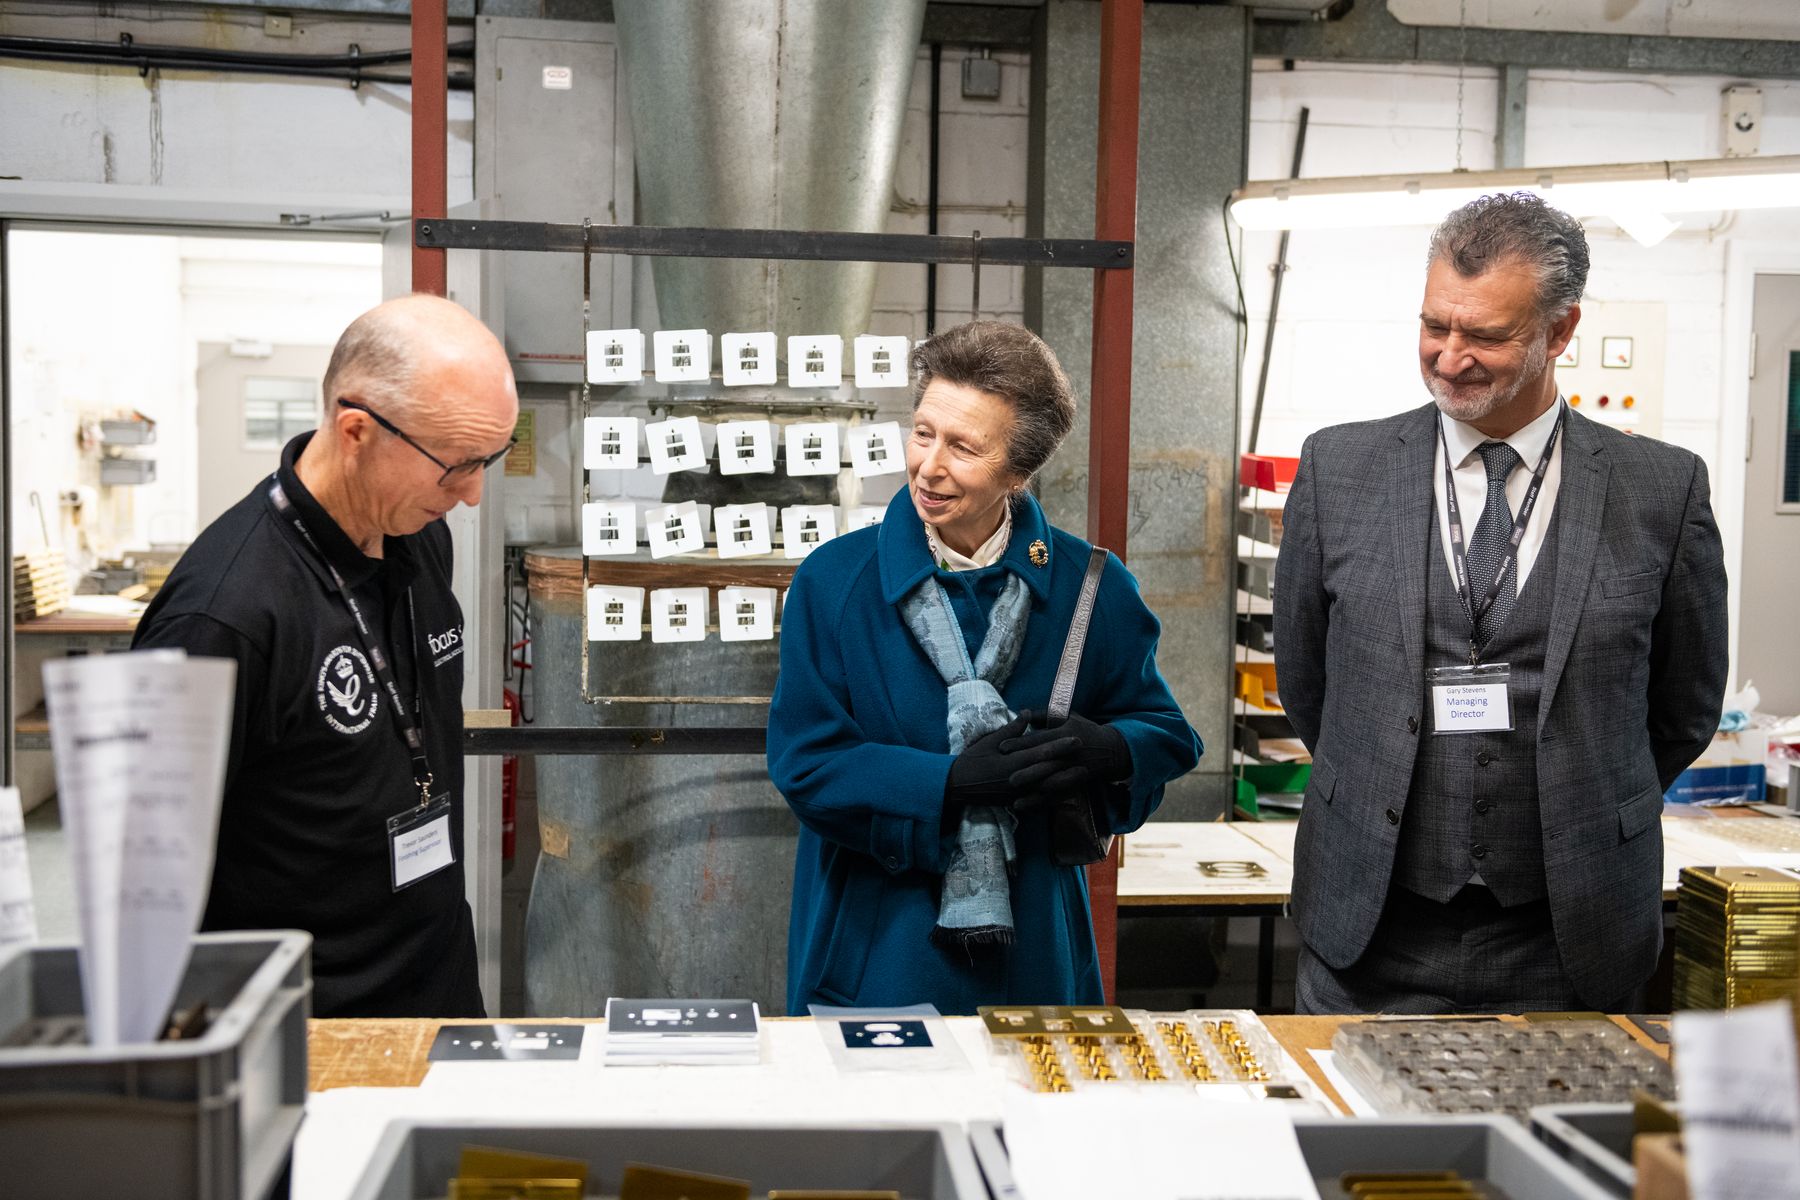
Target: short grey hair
{"x": 1012, "y": 362}
{"x": 1518, "y": 227}
{"x": 377, "y": 355}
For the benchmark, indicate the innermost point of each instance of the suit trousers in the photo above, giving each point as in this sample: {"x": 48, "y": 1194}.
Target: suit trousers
{"x": 1465, "y": 955}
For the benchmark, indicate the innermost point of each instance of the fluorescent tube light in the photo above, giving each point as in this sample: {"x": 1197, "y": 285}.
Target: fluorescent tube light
{"x": 1635, "y": 195}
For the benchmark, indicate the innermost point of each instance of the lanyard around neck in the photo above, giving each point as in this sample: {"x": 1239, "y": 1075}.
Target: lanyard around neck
{"x": 1478, "y": 607}
{"x": 404, "y": 717}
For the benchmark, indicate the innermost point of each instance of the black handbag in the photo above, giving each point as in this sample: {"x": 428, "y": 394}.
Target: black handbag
{"x": 1080, "y": 828}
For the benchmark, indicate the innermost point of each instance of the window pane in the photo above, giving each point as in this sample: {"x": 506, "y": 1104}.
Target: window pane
{"x": 276, "y": 408}
{"x": 1790, "y": 436}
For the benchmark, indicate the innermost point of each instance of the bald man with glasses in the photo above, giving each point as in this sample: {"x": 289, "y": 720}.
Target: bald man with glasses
{"x": 329, "y": 585}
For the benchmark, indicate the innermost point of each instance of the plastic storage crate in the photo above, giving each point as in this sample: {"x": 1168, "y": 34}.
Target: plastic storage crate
{"x": 208, "y": 1119}
{"x": 1595, "y": 1137}
{"x": 417, "y": 1159}
{"x": 1492, "y": 1150}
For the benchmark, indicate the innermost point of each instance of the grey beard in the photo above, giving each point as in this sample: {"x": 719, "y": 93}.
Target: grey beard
{"x": 1482, "y": 406}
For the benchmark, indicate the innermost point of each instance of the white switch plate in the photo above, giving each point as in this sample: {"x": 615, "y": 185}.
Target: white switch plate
{"x": 861, "y": 516}
{"x": 812, "y": 448}
{"x": 806, "y": 527}
{"x": 748, "y": 359}
{"x": 675, "y": 445}
{"x": 678, "y": 615}
{"x": 608, "y": 527}
{"x": 744, "y": 530}
{"x": 746, "y": 448}
{"x": 876, "y": 449}
{"x": 609, "y": 443}
{"x": 881, "y": 361}
{"x": 682, "y": 355}
{"x": 746, "y": 614}
{"x": 815, "y": 360}
{"x": 674, "y": 529}
{"x": 615, "y": 613}
{"x": 615, "y": 355}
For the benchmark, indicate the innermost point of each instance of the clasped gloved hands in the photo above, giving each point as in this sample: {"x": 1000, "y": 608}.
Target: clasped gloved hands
{"x": 1022, "y": 768}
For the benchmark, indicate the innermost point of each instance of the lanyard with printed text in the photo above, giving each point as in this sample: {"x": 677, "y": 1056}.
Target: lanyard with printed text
{"x": 403, "y": 715}
{"x": 1477, "y": 608}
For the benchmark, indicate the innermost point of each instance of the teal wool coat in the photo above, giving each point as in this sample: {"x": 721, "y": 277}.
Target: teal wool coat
{"x": 858, "y": 746}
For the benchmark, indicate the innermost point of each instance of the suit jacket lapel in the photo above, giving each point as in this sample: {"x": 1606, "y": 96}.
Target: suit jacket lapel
{"x": 1410, "y": 500}
{"x": 1581, "y": 507}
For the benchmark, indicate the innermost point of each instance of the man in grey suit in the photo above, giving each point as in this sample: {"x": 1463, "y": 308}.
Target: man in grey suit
{"x": 1500, "y": 629}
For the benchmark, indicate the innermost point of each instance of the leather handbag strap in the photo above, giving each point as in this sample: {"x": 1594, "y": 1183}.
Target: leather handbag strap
{"x": 1062, "y": 692}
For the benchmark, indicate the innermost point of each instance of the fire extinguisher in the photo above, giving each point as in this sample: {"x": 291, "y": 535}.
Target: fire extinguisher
{"x": 509, "y": 783}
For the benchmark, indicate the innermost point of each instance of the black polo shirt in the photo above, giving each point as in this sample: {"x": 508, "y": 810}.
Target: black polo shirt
{"x": 317, "y": 763}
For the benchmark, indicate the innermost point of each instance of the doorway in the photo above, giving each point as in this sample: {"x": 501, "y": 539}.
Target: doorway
{"x": 1769, "y": 579}
{"x": 152, "y": 377}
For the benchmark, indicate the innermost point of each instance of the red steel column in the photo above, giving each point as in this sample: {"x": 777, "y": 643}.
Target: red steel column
{"x": 1109, "y": 431}
{"x": 430, "y": 37}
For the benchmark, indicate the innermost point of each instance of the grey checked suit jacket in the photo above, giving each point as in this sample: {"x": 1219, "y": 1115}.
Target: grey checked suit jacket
{"x": 1634, "y": 674}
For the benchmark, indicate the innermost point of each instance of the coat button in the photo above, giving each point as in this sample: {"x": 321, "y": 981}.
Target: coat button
{"x": 893, "y": 863}
{"x": 1482, "y": 806}
{"x": 1393, "y": 817}
{"x": 1484, "y": 758}
{"x": 1478, "y": 851}
{"x": 1412, "y": 724}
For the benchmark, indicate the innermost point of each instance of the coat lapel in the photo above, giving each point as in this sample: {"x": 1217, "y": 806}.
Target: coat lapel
{"x": 1409, "y": 496}
{"x": 1580, "y": 507}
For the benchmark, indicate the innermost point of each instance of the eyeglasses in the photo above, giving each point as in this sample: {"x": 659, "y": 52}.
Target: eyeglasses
{"x": 451, "y": 473}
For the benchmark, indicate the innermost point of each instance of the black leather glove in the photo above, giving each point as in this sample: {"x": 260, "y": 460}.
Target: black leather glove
{"x": 983, "y": 773}
{"x": 1073, "y": 755}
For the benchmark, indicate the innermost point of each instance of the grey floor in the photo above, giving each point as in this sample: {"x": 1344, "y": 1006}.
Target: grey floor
{"x": 52, "y": 882}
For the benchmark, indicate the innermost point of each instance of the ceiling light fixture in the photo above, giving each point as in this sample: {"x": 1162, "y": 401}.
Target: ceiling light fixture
{"x": 1639, "y": 197}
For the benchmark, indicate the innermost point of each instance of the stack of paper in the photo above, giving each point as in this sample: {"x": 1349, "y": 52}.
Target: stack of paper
{"x": 698, "y": 1032}
{"x": 140, "y": 741}
{"x": 18, "y": 918}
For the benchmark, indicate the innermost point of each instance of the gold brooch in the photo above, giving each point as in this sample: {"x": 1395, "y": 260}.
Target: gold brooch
{"x": 1039, "y": 554}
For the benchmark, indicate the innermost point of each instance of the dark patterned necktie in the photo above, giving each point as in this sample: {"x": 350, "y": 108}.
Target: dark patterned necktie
{"x": 1492, "y": 537}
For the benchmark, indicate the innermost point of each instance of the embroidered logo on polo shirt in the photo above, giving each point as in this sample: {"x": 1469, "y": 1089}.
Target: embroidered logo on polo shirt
{"x": 347, "y": 693}
{"x": 446, "y": 645}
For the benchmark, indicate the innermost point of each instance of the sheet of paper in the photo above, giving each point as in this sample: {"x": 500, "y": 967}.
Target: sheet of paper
{"x": 18, "y": 916}
{"x": 1158, "y": 1146}
{"x": 1739, "y": 1083}
{"x": 140, "y": 741}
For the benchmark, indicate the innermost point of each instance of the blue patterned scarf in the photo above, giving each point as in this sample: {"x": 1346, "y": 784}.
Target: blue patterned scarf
{"x": 976, "y": 905}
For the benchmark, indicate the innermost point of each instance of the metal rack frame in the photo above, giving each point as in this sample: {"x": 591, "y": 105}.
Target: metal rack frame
{"x": 588, "y": 239}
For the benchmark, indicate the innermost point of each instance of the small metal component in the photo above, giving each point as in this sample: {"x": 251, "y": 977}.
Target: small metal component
{"x": 981, "y": 77}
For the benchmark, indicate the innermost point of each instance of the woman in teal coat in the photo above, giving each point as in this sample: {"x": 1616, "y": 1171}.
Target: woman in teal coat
{"x": 902, "y": 732}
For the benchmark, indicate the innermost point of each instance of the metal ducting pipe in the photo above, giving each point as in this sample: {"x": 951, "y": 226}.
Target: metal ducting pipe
{"x": 666, "y": 875}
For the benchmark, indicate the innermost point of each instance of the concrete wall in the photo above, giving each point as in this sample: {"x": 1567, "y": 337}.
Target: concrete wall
{"x": 1184, "y": 352}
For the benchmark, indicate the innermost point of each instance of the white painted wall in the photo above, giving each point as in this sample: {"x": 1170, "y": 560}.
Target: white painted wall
{"x": 1345, "y": 346}
{"x": 104, "y": 321}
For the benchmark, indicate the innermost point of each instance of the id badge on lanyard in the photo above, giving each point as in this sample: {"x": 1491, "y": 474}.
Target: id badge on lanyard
{"x": 1470, "y": 699}
{"x": 420, "y": 843}
{"x": 1475, "y": 698}
{"x": 420, "y": 840}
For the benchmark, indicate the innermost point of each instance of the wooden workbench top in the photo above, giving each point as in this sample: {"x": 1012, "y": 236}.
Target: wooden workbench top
{"x": 394, "y": 1053}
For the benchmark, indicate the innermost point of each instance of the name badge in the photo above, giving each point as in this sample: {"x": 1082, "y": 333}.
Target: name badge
{"x": 420, "y": 842}
{"x": 1470, "y": 699}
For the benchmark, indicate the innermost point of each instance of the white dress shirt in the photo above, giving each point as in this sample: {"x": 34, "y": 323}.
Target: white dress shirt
{"x": 1471, "y": 484}
{"x": 986, "y": 554}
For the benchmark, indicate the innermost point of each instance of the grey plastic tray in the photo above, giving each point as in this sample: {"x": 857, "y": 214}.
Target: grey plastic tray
{"x": 417, "y": 1159}
{"x": 1595, "y": 1137}
{"x": 208, "y": 1119}
{"x": 1495, "y": 1150}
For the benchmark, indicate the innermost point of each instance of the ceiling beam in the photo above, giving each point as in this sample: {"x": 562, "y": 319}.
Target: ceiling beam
{"x": 1369, "y": 33}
